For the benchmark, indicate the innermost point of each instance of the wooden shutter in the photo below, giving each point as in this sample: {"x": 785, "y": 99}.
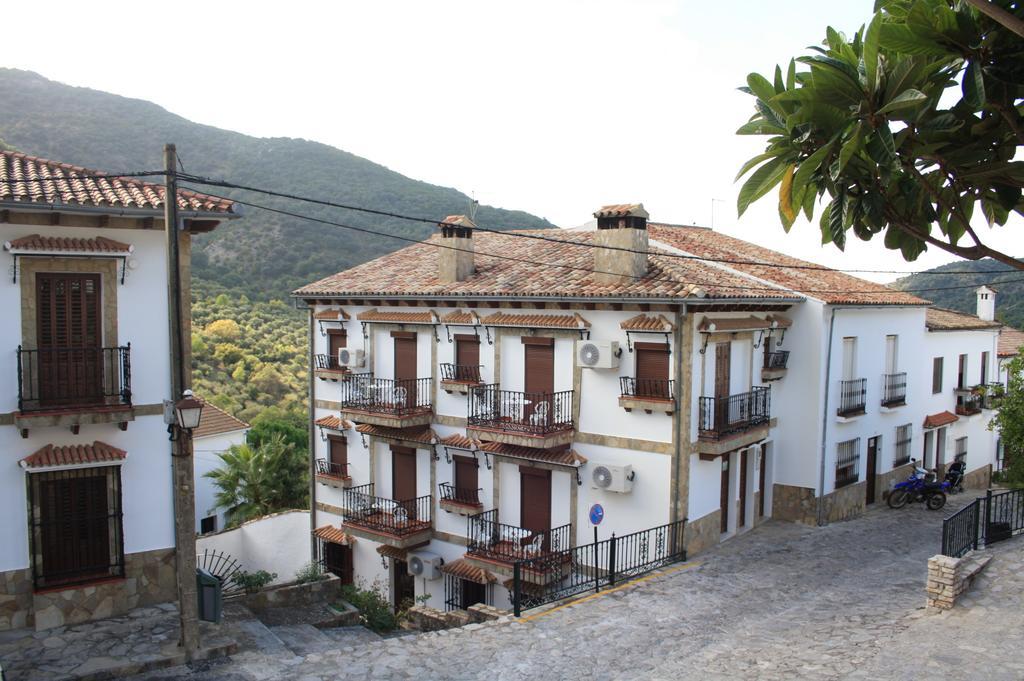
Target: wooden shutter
{"x": 74, "y": 528}
{"x": 339, "y": 450}
{"x": 403, "y": 473}
{"x": 69, "y": 338}
{"x": 984, "y": 367}
{"x": 652, "y": 361}
{"x": 961, "y": 376}
{"x": 849, "y": 358}
{"x": 540, "y": 366}
{"x": 337, "y": 339}
{"x": 467, "y": 351}
{"x": 535, "y": 499}
{"x": 937, "y": 375}
{"x": 466, "y": 477}
{"x": 405, "y": 364}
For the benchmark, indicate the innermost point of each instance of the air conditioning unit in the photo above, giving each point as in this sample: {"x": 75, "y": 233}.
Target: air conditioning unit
{"x": 425, "y": 564}
{"x": 351, "y": 358}
{"x": 613, "y": 478}
{"x": 597, "y": 354}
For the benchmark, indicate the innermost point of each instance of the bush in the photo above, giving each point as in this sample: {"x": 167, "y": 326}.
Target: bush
{"x": 224, "y": 329}
{"x": 253, "y": 581}
{"x": 310, "y": 572}
{"x": 375, "y": 611}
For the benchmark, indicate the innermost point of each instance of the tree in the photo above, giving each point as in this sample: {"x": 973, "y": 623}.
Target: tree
{"x": 1009, "y": 421}
{"x": 868, "y": 123}
{"x": 224, "y": 330}
{"x": 273, "y": 422}
{"x": 256, "y": 480}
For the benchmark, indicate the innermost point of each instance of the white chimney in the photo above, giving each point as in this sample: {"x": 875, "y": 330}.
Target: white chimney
{"x": 986, "y": 303}
{"x": 623, "y": 227}
{"x": 455, "y": 263}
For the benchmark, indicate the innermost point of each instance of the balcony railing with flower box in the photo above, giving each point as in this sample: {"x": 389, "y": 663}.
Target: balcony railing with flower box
{"x": 332, "y": 473}
{"x": 968, "y": 401}
{"x": 499, "y": 545}
{"x": 461, "y": 500}
{"x": 647, "y": 393}
{"x": 459, "y": 377}
{"x": 894, "y": 390}
{"x": 528, "y": 419}
{"x": 852, "y": 397}
{"x": 395, "y": 403}
{"x": 397, "y": 522}
{"x": 775, "y": 364}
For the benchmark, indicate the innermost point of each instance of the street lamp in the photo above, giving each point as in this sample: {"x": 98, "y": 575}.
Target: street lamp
{"x": 188, "y": 410}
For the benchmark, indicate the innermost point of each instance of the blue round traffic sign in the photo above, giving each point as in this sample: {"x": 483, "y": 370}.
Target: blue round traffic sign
{"x": 596, "y": 514}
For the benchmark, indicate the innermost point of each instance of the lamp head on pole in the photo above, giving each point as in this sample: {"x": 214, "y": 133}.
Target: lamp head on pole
{"x": 188, "y": 411}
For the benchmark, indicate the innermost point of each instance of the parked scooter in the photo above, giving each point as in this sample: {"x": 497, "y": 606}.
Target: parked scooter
{"x": 919, "y": 487}
{"x": 955, "y": 476}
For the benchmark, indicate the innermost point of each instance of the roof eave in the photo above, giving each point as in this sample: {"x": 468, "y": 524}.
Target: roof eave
{"x": 115, "y": 211}
{"x": 633, "y": 300}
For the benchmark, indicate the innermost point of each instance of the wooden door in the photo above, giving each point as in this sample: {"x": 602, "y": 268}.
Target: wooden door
{"x": 723, "y": 362}
{"x": 338, "y": 561}
{"x": 405, "y": 365}
{"x": 761, "y": 475}
{"x": 405, "y": 585}
{"x": 535, "y": 501}
{"x": 741, "y": 519}
{"x": 940, "y": 450}
{"x": 339, "y": 454}
{"x": 336, "y": 340}
{"x": 467, "y": 357}
{"x": 652, "y": 360}
{"x": 403, "y": 474}
{"x": 75, "y": 530}
{"x": 926, "y": 456}
{"x": 466, "y": 482}
{"x": 724, "y": 496}
{"x": 69, "y": 338}
{"x": 539, "y": 379}
{"x": 872, "y": 469}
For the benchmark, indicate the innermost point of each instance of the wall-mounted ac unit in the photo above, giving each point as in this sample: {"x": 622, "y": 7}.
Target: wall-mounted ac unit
{"x": 613, "y": 478}
{"x": 597, "y": 354}
{"x": 425, "y": 564}
{"x": 351, "y": 358}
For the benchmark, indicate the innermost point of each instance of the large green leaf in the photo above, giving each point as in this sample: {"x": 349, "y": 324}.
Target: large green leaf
{"x": 757, "y": 160}
{"x": 870, "y": 56}
{"x": 851, "y": 146}
{"x": 973, "y": 85}
{"x": 760, "y": 183}
{"x": 908, "y": 99}
{"x": 760, "y": 86}
{"x": 786, "y": 210}
{"x": 902, "y": 39}
{"x": 808, "y": 167}
{"x": 760, "y": 126}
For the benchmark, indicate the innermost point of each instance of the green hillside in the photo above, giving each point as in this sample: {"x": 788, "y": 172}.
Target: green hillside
{"x": 1009, "y": 302}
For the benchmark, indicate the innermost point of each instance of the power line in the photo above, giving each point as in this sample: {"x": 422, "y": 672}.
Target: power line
{"x": 77, "y": 176}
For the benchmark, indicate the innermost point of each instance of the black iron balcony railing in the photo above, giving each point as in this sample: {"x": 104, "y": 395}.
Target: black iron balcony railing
{"x": 776, "y": 360}
{"x": 509, "y": 410}
{"x": 379, "y": 514}
{"x": 467, "y": 496}
{"x": 328, "y": 363}
{"x": 64, "y": 378}
{"x": 385, "y": 395}
{"x": 992, "y": 394}
{"x": 461, "y": 373}
{"x": 968, "y": 401}
{"x": 658, "y": 389}
{"x": 331, "y": 469}
{"x": 852, "y": 397}
{"x": 722, "y": 416}
{"x": 894, "y": 389}
{"x": 487, "y": 538}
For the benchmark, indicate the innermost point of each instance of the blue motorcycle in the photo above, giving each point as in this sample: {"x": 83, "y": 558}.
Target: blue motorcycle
{"x": 919, "y": 487}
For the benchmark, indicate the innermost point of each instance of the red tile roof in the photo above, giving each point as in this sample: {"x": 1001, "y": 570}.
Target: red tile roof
{"x": 459, "y": 441}
{"x": 460, "y": 317}
{"x": 49, "y": 244}
{"x": 1010, "y": 341}
{"x": 943, "y": 418}
{"x": 536, "y": 321}
{"x": 73, "y": 455}
{"x": 561, "y": 457}
{"x": 327, "y": 315}
{"x": 463, "y": 569}
{"x": 427, "y": 317}
{"x": 621, "y": 210}
{"x": 216, "y": 421}
{"x": 53, "y": 183}
{"x": 643, "y": 322}
{"x": 941, "y": 319}
{"x": 392, "y": 552}
{"x": 419, "y": 434}
{"x": 734, "y": 323}
{"x": 333, "y": 423}
{"x": 334, "y": 535}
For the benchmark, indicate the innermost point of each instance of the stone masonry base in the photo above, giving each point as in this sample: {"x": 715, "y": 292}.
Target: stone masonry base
{"x": 703, "y": 533}
{"x": 796, "y": 504}
{"x": 949, "y": 578}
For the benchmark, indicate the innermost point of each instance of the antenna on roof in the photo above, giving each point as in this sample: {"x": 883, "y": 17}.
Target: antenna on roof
{"x": 473, "y": 205}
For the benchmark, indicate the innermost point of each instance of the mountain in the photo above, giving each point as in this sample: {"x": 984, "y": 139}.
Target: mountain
{"x": 1010, "y": 285}
{"x": 262, "y": 255}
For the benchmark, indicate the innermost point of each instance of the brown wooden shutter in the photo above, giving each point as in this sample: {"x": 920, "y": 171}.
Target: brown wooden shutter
{"x": 69, "y": 338}
{"x": 467, "y": 351}
{"x": 337, "y": 339}
{"x": 937, "y": 375}
{"x": 540, "y": 368}
{"x": 403, "y": 473}
{"x": 466, "y": 476}
{"x": 74, "y": 525}
{"x": 405, "y": 365}
{"x": 723, "y": 359}
{"x": 535, "y": 499}
{"x": 339, "y": 450}
{"x": 652, "y": 361}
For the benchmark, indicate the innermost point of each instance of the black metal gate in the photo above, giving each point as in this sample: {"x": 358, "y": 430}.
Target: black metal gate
{"x": 983, "y": 522}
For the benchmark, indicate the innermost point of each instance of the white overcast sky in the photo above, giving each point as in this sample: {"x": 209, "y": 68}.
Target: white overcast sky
{"x": 553, "y": 107}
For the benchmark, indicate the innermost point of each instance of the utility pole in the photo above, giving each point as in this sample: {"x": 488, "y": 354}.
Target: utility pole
{"x": 181, "y": 445}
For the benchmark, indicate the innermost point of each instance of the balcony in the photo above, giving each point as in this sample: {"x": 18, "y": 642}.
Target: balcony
{"x": 968, "y": 401}
{"x": 464, "y": 501}
{"x": 387, "y": 402}
{"x": 852, "y": 397}
{"x": 496, "y": 546}
{"x": 541, "y": 420}
{"x": 326, "y": 368}
{"x": 74, "y": 386}
{"x": 332, "y": 474}
{"x": 403, "y": 523}
{"x": 894, "y": 390}
{"x": 775, "y": 364}
{"x": 459, "y": 377}
{"x": 648, "y": 394}
{"x": 730, "y": 422}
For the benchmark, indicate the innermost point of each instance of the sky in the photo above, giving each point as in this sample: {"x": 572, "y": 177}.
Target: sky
{"x": 554, "y": 107}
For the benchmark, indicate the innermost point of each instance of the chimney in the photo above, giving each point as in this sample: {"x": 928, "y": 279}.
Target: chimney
{"x": 455, "y": 261}
{"x": 986, "y": 303}
{"x": 622, "y": 226}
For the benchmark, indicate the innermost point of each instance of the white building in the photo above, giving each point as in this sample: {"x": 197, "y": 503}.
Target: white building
{"x": 218, "y": 431}
{"x": 85, "y": 482}
{"x": 457, "y": 418}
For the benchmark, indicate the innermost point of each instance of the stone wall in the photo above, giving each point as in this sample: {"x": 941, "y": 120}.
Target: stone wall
{"x": 885, "y": 481}
{"x": 425, "y": 618}
{"x": 294, "y": 595}
{"x": 703, "y": 533}
{"x": 796, "y": 504}
{"x": 845, "y": 503}
{"x": 979, "y": 478}
{"x": 949, "y": 578}
{"x": 15, "y": 599}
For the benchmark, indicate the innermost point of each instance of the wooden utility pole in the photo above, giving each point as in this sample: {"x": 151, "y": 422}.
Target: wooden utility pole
{"x": 181, "y": 447}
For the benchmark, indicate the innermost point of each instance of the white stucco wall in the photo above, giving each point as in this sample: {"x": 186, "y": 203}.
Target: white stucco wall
{"x": 277, "y": 543}
{"x": 206, "y": 459}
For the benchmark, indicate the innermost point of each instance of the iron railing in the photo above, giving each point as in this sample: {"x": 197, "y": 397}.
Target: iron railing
{"x": 467, "y": 496}
{"x": 510, "y": 410}
{"x": 461, "y": 373}
{"x": 487, "y": 538}
{"x": 331, "y": 469}
{"x": 653, "y": 388}
{"x": 985, "y": 521}
{"x": 385, "y": 395}
{"x": 379, "y": 514}
{"x": 776, "y": 360}
{"x": 968, "y": 401}
{"x": 558, "y": 575}
{"x": 724, "y": 416}
{"x": 894, "y": 389}
{"x": 852, "y": 397}
{"x": 328, "y": 362}
{"x": 52, "y": 378}
{"x": 903, "y": 440}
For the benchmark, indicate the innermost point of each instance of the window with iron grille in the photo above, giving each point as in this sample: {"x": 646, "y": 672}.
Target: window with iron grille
{"x": 847, "y": 462}
{"x": 961, "y": 449}
{"x": 460, "y": 594}
{"x": 904, "y": 434}
{"x": 75, "y": 526}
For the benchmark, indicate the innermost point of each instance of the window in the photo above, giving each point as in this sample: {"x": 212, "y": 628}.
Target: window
{"x": 961, "y": 449}
{"x": 338, "y": 450}
{"x": 75, "y": 526}
{"x": 929, "y": 449}
{"x": 961, "y": 374}
{"x": 848, "y": 463}
{"x": 904, "y": 434}
{"x": 467, "y": 357}
{"x": 652, "y": 370}
{"x": 460, "y": 594}
{"x": 891, "y": 350}
{"x": 467, "y": 486}
{"x": 936, "y": 375}
{"x": 208, "y": 524}
{"x": 984, "y": 367}
{"x": 849, "y": 358}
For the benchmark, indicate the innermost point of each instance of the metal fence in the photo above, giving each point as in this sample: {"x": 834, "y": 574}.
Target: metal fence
{"x": 380, "y": 514}
{"x": 331, "y": 469}
{"x": 661, "y": 389}
{"x": 492, "y": 540}
{"x": 720, "y": 416}
{"x": 72, "y": 377}
{"x": 561, "y": 574}
{"x": 852, "y": 397}
{"x": 985, "y": 521}
{"x": 511, "y": 410}
{"x": 386, "y": 395}
{"x": 467, "y": 496}
{"x": 461, "y": 373}
{"x": 894, "y": 389}
{"x": 328, "y": 362}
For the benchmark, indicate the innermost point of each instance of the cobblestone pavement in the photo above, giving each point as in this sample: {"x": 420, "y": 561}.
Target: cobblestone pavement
{"x": 783, "y": 602}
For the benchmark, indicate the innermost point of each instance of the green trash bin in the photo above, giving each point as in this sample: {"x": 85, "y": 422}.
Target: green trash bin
{"x": 208, "y": 592}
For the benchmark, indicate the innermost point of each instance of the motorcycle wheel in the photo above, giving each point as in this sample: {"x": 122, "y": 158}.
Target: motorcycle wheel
{"x": 936, "y": 501}
{"x": 897, "y": 498}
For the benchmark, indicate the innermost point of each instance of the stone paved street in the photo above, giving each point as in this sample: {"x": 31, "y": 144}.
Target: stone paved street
{"x": 784, "y": 602}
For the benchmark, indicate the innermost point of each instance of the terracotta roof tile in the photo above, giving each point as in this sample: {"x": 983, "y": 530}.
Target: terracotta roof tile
{"x": 459, "y": 220}
{"x": 334, "y": 535}
{"x": 416, "y": 434}
{"x": 392, "y": 552}
{"x": 53, "y": 183}
{"x": 621, "y": 210}
{"x": 643, "y": 322}
{"x": 216, "y": 421}
{"x": 463, "y": 569}
{"x": 333, "y": 423}
{"x": 734, "y": 323}
{"x": 1010, "y": 341}
{"x": 461, "y": 317}
{"x": 940, "y": 319}
{"x": 427, "y": 317}
{"x": 943, "y": 418}
{"x": 73, "y": 455}
{"x": 536, "y": 321}
{"x": 48, "y": 244}
{"x": 561, "y": 457}
{"x": 459, "y": 441}
{"x": 328, "y": 315}
{"x": 781, "y": 321}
